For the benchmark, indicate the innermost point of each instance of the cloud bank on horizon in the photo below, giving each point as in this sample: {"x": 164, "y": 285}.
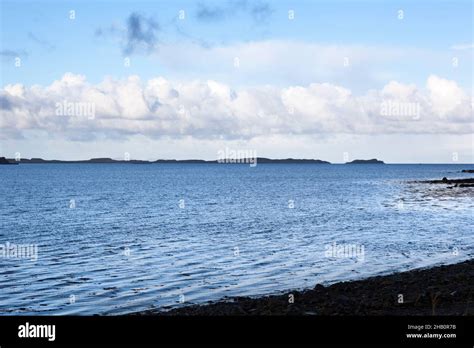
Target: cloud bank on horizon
{"x": 210, "y": 109}
{"x": 237, "y": 70}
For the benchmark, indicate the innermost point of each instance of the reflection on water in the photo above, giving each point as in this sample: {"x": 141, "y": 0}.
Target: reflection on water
{"x": 418, "y": 196}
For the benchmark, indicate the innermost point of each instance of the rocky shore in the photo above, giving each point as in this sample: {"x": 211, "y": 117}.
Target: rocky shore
{"x": 442, "y": 290}
{"x": 467, "y": 182}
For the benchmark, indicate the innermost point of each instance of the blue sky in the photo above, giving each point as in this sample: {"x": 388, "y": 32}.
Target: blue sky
{"x": 273, "y": 51}
{"x": 63, "y": 45}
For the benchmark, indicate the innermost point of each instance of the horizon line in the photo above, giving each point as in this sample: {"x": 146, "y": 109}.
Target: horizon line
{"x": 217, "y": 161}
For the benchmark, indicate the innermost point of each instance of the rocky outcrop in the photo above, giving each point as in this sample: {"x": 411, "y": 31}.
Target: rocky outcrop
{"x": 467, "y": 182}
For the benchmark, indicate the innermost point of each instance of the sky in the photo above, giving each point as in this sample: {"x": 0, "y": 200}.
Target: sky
{"x": 334, "y": 80}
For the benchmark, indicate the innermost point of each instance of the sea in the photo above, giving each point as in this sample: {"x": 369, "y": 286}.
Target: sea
{"x": 110, "y": 239}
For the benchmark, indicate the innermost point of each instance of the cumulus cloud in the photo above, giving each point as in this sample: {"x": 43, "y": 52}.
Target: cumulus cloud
{"x": 448, "y": 99}
{"x": 213, "y": 110}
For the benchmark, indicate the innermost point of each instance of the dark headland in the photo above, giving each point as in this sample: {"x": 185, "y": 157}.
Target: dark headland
{"x": 3, "y": 160}
{"x": 92, "y": 160}
{"x": 225, "y": 161}
{"x": 442, "y": 290}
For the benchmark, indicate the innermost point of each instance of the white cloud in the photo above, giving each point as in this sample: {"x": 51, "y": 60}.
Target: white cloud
{"x": 396, "y": 89}
{"x": 448, "y": 98}
{"x": 288, "y": 62}
{"x": 213, "y": 110}
{"x": 462, "y": 47}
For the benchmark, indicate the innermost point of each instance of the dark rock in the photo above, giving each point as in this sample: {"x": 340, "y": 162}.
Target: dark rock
{"x": 466, "y": 185}
{"x": 448, "y": 181}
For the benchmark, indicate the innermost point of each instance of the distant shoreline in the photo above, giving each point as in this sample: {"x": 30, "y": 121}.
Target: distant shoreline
{"x": 246, "y": 161}
{"x": 191, "y": 161}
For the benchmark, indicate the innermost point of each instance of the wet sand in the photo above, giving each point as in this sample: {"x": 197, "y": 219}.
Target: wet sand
{"x": 442, "y": 290}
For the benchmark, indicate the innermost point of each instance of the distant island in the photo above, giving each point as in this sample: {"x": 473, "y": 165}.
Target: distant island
{"x": 370, "y": 161}
{"x": 258, "y": 160}
{"x": 224, "y": 161}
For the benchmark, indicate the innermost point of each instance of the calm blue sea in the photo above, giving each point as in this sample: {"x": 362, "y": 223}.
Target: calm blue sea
{"x": 117, "y": 238}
